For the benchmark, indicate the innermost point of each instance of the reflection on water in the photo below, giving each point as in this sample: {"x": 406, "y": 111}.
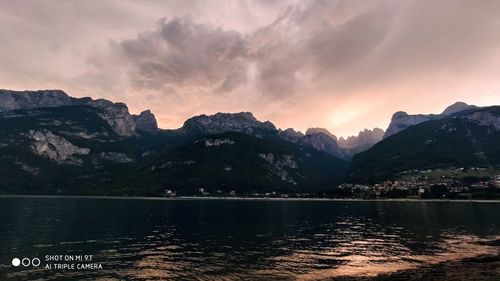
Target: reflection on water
{"x": 234, "y": 239}
{"x": 372, "y": 263}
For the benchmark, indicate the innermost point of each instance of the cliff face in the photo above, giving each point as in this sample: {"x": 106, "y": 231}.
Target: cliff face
{"x": 402, "y": 120}
{"x": 12, "y": 100}
{"x": 490, "y": 120}
{"x": 457, "y": 107}
{"x": 318, "y": 138}
{"x": 322, "y": 140}
{"x": 119, "y": 119}
{"x": 115, "y": 114}
{"x": 243, "y": 122}
{"x": 56, "y": 148}
{"x": 146, "y": 121}
{"x": 291, "y": 135}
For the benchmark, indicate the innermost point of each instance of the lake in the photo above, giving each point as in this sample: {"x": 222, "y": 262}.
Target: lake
{"x": 144, "y": 239}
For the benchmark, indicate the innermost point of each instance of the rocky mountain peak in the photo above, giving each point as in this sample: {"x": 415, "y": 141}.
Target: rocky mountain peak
{"x": 291, "y": 135}
{"x": 318, "y": 138}
{"x": 146, "y": 121}
{"x": 243, "y": 122}
{"x": 457, "y": 107}
{"x": 12, "y": 100}
{"x": 322, "y": 141}
{"x": 399, "y": 114}
{"x": 364, "y": 138}
{"x": 315, "y": 131}
{"x": 402, "y": 120}
{"x": 115, "y": 114}
{"x": 363, "y": 141}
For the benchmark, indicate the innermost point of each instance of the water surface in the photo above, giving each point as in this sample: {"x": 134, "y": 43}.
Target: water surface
{"x": 142, "y": 239}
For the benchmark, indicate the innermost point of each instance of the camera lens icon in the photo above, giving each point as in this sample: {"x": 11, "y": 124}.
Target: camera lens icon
{"x": 26, "y": 262}
{"x": 16, "y": 262}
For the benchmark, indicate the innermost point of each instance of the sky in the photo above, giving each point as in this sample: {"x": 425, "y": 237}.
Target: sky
{"x": 341, "y": 65}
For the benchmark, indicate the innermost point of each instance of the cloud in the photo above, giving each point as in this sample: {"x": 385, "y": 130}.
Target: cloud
{"x": 316, "y": 41}
{"x": 313, "y": 48}
{"x": 302, "y": 44}
{"x": 183, "y": 54}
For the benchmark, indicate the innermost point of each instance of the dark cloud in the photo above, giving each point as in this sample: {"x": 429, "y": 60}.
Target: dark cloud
{"x": 182, "y": 53}
{"x": 313, "y": 41}
{"x": 302, "y": 43}
{"x": 332, "y": 44}
{"x": 345, "y": 41}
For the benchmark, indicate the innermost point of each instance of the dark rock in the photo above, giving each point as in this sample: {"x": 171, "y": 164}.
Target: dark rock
{"x": 146, "y": 121}
{"x": 243, "y": 122}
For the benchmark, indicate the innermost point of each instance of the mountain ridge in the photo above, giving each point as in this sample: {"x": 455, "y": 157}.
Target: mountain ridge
{"x": 116, "y": 114}
{"x": 465, "y": 139}
{"x": 127, "y": 125}
{"x": 401, "y": 120}
{"x": 74, "y": 147}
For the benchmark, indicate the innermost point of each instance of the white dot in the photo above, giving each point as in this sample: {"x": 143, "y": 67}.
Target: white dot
{"x": 16, "y": 262}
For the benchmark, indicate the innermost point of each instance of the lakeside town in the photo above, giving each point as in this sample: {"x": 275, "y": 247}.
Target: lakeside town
{"x": 456, "y": 183}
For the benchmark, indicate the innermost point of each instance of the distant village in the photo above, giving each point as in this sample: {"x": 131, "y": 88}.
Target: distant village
{"x": 413, "y": 184}
{"x": 421, "y": 186}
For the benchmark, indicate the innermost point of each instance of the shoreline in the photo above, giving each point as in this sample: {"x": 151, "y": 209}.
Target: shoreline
{"x": 187, "y": 198}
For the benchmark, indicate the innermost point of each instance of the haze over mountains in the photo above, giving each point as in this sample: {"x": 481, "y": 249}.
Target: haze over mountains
{"x": 54, "y": 143}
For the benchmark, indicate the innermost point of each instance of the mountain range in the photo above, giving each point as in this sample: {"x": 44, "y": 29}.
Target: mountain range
{"x": 52, "y": 143}
{"x": 458, "y": 140}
